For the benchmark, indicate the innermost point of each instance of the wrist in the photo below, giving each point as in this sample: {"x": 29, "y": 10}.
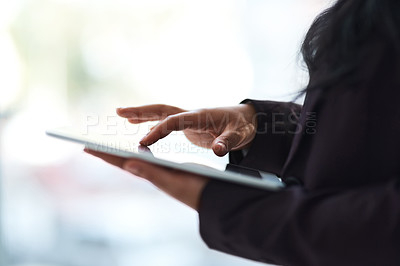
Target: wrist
{"x": 249, "y": 114}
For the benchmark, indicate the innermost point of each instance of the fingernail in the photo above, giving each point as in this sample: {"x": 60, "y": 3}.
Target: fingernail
{"x": 143, "y": 142}
{"x": 120, "y": 109}
{"x": 221, "y": 146}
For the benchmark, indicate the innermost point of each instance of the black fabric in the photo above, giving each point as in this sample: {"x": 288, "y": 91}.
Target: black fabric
{"x": 346, "y": 153}
{"x": 277, "y": 120}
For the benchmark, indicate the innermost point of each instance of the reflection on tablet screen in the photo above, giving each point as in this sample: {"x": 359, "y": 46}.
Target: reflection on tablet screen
{"x": 175, "y": 147}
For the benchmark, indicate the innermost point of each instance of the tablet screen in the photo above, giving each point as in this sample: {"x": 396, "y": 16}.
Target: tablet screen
{"x": 175, "y": 147}
{"x": 174, "y": 151}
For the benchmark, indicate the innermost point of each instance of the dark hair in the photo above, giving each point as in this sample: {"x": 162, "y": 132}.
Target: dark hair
{"x": 348, "y": 43}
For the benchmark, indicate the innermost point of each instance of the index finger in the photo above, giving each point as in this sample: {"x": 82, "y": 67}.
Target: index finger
{"x": 171, "y": 123}
{"x": 146, "y": 113}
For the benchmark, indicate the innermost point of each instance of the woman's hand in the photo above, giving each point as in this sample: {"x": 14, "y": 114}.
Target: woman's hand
{"x": 180, "y": 185}
{"x": 220, "y": 129}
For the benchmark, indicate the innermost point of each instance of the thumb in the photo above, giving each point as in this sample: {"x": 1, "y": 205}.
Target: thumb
{"x": 225, "y": 142}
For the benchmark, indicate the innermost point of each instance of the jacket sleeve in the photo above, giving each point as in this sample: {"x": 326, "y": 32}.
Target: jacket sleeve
{"x": 298, "y": 227}
{"x": 276, "y": 127}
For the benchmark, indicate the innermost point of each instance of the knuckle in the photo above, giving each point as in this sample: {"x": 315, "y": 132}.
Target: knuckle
{"x": 202, "y": 110}
{"x": 168, "y": 109}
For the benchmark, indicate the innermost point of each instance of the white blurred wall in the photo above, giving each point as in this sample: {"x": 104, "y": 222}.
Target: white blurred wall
{"x": 65, "y": 60}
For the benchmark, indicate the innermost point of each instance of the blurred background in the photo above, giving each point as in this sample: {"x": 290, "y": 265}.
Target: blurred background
{"x": 68, "y": 61}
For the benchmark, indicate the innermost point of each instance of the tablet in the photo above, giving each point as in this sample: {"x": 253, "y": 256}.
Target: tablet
{"x": 176, "y": 153}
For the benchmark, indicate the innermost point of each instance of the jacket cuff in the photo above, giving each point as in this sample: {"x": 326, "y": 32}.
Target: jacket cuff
{"x": 276, "y": 127}
{"x": 218, "y": 201}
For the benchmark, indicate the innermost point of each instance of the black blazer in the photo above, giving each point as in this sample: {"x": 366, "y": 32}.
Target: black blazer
{"x": 345, "y": 151}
